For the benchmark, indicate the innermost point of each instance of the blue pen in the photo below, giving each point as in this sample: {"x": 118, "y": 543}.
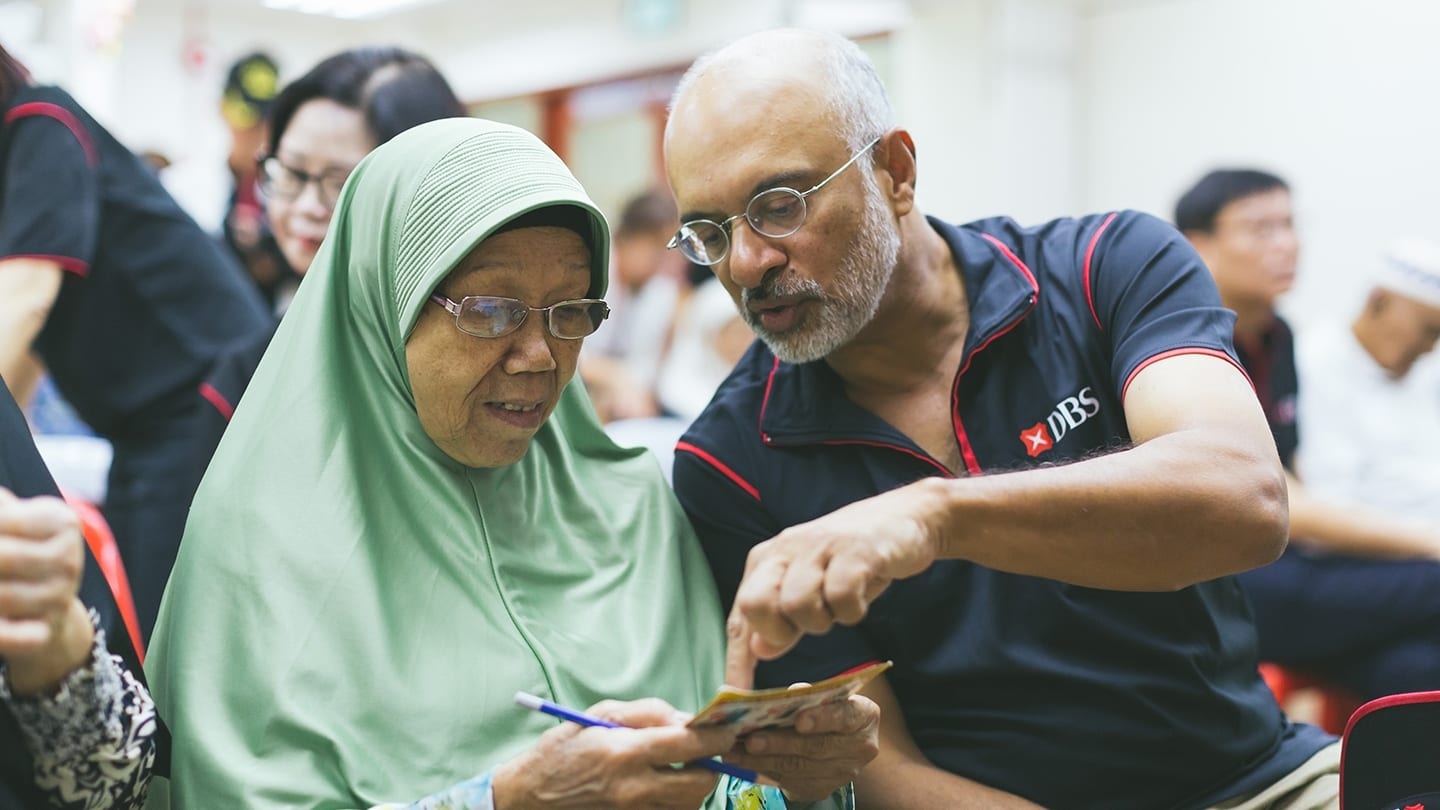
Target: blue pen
{"x": 544, "y": 706}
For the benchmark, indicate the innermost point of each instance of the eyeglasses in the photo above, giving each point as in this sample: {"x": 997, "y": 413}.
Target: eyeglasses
{"x": 775, "y": 212}
{"x": 487, "y": 316}
{"x": 287, "y": 182}
{"x": 1258, "y": 230}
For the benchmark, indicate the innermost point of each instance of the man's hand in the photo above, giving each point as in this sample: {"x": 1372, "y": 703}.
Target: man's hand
{"x": 45, "y": 632}
{"x": 813, "y": 575}
{"x": 596, "y": 768}
{"x": 825, "y": 750}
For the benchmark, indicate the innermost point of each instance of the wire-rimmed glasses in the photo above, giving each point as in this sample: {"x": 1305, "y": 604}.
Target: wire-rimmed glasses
{"x": 490, "y": 316}
{"x": 775, "y": 212}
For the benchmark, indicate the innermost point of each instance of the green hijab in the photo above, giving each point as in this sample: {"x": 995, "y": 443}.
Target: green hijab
{"x": 352, "y": 611}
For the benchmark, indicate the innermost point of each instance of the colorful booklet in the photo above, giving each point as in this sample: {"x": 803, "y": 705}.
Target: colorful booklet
{"x": 754, "y": 709}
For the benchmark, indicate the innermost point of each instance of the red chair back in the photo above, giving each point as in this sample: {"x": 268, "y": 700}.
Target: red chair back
{"x": 1391, "y": 754}
{"x": 102, "y": 545}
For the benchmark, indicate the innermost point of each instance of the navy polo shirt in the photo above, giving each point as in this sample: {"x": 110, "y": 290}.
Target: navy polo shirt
{"x": 1071, "y": 697}
{"x": 150, "y": 305}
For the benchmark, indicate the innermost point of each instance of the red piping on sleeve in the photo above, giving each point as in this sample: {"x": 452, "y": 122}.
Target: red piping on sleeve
{"x": 218, "y": 400}
{"x": 1089, "y": 252}
{"x": 720, "y": 466}
{"x": 62, "y": 115}
{"x": 69, "y": 264}
{"x": 1175, "y": 352}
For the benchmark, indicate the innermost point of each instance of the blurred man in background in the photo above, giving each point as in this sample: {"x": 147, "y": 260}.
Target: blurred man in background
{"x": 1355, "y": 599}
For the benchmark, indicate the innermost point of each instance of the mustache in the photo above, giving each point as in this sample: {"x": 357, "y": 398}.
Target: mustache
{"x": 774, "y": 285}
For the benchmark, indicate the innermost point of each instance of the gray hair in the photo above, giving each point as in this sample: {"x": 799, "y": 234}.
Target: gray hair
{"x": 851, "y": 83}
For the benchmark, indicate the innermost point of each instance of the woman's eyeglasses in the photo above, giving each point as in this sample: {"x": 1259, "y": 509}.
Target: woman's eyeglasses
{"x": 284, "y": 182}
{"x": 488, "y": 316}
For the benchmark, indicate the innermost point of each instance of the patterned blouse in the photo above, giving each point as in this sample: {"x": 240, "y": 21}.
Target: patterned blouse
{"x": 93, "y": 740}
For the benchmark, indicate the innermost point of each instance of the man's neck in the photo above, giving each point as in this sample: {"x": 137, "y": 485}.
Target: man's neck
{"x": 1252, "y": 321}
{"x": 921, "y": 320}
{"x": 1369, "y": 339}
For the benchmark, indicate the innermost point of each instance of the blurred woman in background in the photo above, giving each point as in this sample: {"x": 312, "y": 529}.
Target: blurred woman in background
{"x": 324, "y": 122}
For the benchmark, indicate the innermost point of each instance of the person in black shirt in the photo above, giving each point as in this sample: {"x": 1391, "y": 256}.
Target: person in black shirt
{"x": 146, "y": 326}
{"x": 96, "y": 745}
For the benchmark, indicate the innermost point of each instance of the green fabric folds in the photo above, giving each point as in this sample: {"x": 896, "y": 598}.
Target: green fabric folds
{"x": 352, "y": 611}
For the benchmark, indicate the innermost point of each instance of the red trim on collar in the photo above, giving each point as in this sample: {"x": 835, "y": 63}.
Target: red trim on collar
{"x": 62, "y": 115}
{"x": 1089, "y": 252}
{"x": 967, "y": 451}
{"x": 1173, "y": 353}
{"x": 722, "y": 467}
{"x": 765, "y": 403}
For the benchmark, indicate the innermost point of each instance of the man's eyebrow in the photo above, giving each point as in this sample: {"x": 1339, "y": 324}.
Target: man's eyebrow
{"x": 786, "y": 179}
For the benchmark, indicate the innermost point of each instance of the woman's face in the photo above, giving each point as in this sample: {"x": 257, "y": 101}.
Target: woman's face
{"x": 323, "y": 141}
{"x": 481, "y": 400}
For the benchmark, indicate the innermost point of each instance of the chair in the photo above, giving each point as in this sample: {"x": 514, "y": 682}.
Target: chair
{"x": 1336, "y": 704}
{"x": 1390, "y": 758}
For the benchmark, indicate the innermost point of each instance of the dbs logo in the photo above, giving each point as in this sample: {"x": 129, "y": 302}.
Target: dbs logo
{"x": 1068, "y": 414}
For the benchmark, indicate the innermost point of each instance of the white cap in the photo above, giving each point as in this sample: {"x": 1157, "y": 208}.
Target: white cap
{"x": 1411, "y": 267}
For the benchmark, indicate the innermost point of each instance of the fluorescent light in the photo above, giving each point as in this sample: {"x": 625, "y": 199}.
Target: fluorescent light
{"x": 346, "y": 9}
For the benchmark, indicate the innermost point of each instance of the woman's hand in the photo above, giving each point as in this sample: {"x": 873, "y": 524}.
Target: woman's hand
{"x": 825, "y": 750}
{"x": 45, "y": 632}
{"x": 597, "y": 768}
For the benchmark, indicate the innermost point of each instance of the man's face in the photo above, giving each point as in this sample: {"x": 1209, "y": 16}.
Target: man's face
{"x": 1253, "y": 250}
{"x": 1406, "y": 330}
{"x": 809, "y": 293}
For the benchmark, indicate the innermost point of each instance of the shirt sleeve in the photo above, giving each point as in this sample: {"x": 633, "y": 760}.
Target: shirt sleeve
{"x": 1153, "y": 296}
{"x": 50, "y": 202}
{"x": 729, "y": 521}
{"x": 93, "y": 741}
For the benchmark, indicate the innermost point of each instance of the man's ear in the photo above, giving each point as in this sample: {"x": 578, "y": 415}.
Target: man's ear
{"x": 1202, "y": 241}
{"x": 1376, "y": 302}
{"x": 897, "y": 160}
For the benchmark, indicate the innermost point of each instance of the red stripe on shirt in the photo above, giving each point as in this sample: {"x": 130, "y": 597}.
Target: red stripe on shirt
{"x": 721, "y": 466}
{"x": 217, "y": 399}
{"x": 1174, "y": 353}
{"x": 62, "y": 115}
{"x": 69, "y": 264}
{"x": 1089, "y": 252}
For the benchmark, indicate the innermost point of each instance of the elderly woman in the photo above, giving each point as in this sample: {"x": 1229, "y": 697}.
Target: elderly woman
{"x": 414, "y": 514}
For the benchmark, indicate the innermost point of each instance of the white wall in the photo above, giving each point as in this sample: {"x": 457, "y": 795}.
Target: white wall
{"x": 1032, "y": 108}
{"x": 1341, "y": 98}
{"x": 987, "y": 88}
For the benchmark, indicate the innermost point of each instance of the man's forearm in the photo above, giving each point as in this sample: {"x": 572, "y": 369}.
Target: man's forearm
{"x": 1357, "y": 530}
{"x": 1182, "y": 508}
{"x": 903, "y": 785}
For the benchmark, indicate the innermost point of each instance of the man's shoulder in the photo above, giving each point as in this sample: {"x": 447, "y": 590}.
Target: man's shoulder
{"x": 1066, "y": 250}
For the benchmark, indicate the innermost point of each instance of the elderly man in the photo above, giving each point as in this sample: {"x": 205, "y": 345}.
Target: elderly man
{"x": 1356, "y": 597}
{"x": 1065, "y": 633}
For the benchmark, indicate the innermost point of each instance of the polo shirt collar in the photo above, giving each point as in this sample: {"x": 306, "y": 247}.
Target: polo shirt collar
{"x": 806, "y": 403}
